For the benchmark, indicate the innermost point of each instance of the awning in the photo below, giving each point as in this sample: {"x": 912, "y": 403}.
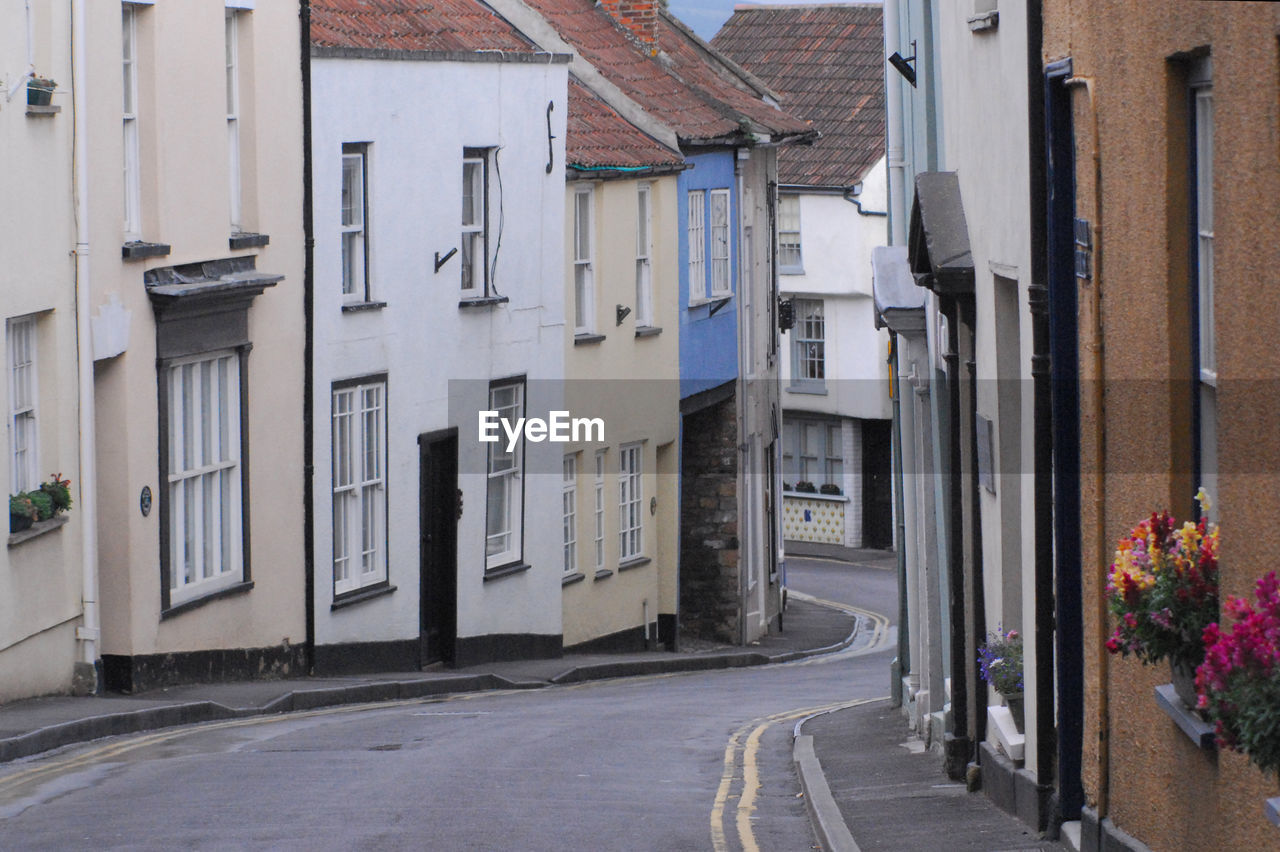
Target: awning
{"x": 938, "y": 239}
{"x": 899, "y": 302}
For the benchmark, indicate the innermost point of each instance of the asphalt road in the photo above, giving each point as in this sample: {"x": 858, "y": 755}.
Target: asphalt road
{"x": 650, "y": 763}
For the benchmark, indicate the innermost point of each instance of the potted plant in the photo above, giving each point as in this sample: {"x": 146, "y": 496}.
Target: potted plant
{"x": 40, "y": 91}
{"x": 1000, "y": 664}
{"x": 1239, "y": 681}
{"x": 786, "y": 486}
{"x": 22, "y": 512}
{"x": 805, "y": 487}
{"x": 1163, "y": 591}
{"x": 59, "y": 491}
{"x": 830, "y": 488}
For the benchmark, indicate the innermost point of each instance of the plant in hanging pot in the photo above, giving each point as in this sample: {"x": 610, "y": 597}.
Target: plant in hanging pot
{"x": 22, "y": 512}
{"x": 1163, "y": 591}
{"x": 1239, "y": 680}
{"x": 1000, "y": 664}
{"x": 40, "y": 91}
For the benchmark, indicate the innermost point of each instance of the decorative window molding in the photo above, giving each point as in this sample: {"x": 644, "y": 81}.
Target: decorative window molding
{"x": 355, "y": 222}
{"x": 359, "y": 455}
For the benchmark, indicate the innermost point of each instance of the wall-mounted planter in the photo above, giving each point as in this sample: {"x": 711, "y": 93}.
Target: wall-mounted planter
{"x": 40, "y": 91}
{"x": 1272, "y": 807}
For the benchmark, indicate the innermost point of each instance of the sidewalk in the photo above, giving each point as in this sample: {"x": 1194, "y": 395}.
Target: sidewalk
{"x": 36, "y": 725}
{"x": 892, "y": 797}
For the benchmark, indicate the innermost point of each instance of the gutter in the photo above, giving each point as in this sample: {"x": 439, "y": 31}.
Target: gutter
{"x": 90, "y": 632}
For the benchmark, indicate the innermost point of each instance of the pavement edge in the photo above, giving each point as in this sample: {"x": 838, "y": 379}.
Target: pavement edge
{"x": 824, "y": 813}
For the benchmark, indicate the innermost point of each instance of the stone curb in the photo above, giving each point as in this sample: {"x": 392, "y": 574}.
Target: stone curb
{"x": 191, "y": 712}
{"x": 824, "y": 813}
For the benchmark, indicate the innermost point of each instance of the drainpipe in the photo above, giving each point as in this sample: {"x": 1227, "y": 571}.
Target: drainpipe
{"x": 1038, "y": 303}
{"x": 308, "y": 347}
{"x": 902, "y": 666}
{"x": 894, "y": 152}
{"x": 90, "y": 632}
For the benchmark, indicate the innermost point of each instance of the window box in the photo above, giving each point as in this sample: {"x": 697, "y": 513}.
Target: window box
{"x": 1272, "y": 809}
{"x": 1197, "y": 729}
{"x": 40, "y": 91}
{"x": 35, "y": 529}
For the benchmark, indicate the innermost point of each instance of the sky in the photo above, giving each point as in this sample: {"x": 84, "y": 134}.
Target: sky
{"x": 705, "y": 17}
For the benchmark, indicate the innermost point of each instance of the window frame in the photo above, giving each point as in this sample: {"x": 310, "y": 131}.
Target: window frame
{"x": 173, "y": 432}
{"x": 721, "y": 236}
{"x": 232, "y": 56}
{"x": 584, "y": 289}
{"x": 129, "y": 111}
{"x": 478, "y": 229}
{"x": 644, "y": 255}
{"x": 790, "y": 260}
{"x": 23, "y": 369}
{"x": 812, "y": 463}
{"x": 599, "y": 508}
{"x": 355, "y": 277}
{"x": 1201, "y": 225}
{"x": 804, "y": 345}
{"x": 696, "y": 235}
{"x": 357, "y": 491}
{"x": 569, "y": 511}
{"x": 512, "y": 554}
{"x": 630, "y": 502}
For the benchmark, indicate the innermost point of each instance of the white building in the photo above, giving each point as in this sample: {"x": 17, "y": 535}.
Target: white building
{"x": 832, "y": 203}
{"x": 438, "y": 173}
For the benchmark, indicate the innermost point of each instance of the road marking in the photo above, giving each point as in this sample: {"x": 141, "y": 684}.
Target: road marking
{"x": 109, "y": 750}
{"x": 880, "y": 623}
{"x": 750, "y": 776}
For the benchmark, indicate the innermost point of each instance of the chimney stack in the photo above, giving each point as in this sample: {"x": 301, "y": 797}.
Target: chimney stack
{"x": 639, "y": 17}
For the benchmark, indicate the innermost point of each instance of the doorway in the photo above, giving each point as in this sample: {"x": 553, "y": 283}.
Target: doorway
{"x": 440, "y": 503}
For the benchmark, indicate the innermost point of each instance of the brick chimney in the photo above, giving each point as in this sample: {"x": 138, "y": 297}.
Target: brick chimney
{"x": 639, "y": 17}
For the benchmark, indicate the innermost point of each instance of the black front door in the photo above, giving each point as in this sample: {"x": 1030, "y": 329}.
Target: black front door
{"x": 439, "y": 506}
{"x": 877, "y": 490}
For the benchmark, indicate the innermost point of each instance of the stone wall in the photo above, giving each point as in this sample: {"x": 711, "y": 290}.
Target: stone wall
{"x": 709, "y": 523}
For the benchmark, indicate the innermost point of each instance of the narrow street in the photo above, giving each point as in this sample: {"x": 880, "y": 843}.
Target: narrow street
{"x": 663, "y": 763}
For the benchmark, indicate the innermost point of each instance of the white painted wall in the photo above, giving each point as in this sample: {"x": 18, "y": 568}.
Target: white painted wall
{"x": 418, "y": 116}
{"x": 836, "y": 244}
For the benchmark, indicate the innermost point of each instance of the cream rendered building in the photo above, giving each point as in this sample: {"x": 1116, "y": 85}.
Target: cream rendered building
{"x": 194, "y": 128}
{"x": 41, "y": 588}
{"x": 620, "y": 497}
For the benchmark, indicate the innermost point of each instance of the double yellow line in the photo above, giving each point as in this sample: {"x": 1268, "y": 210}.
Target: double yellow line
{"x": 879, "y": 622}
{"x": 749, "y": 778}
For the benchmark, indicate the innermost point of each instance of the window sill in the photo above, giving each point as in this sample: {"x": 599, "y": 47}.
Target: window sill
{"x": 34, "y": 111}
{"x": 811, "y": 390}
{"x": 570, "y": 579}
{"x": 140, "y": 250}
{"x": 1197, "y": 730}
{"x": 361, "y": 307}
{"x": 634, "y": 562}
{"x": 483, "y": 301}
{"x": 38, "y": 529}
{"x": 505, "y": 571}
{"x": 816, "y": 495}
{"x": 228, "y": 592}
{"x": 648, "y": 331}
{"x": 791, "y": 270}
{"x": 985, "y": 22}
{"x": 603, "y": 573}
{"x": 587, "y": 339}
{"x": 246, "y": 240}
{"x": 358, "y": 596}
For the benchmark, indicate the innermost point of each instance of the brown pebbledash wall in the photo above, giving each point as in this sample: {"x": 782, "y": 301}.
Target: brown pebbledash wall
{"x": 1130, "y": 61}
